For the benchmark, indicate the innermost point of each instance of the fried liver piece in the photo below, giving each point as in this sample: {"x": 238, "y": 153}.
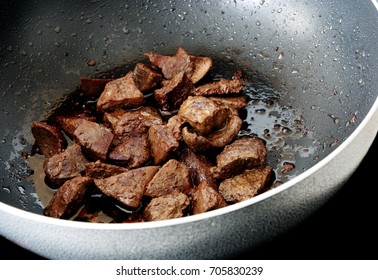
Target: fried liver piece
{"x": 199, "y": 166}
{"x": 95, "y": 138}
{"x": 221, "y": 87}
{"x": 93, "y": 87}
{"x": 132, "y": 153}
{"x": 174, "y": 92}
{"x": 68, "y": 198}
{"x": 244, "y": 153}
{"x": 145, "y": 77}
{"x": 120, "y": 93}
{"x": 247, "y": 184}
{"x": 99, "y": 170}
{"x": 127, "y": 187}
{"x": 195, "y": 67}
{"x": 235, "y": 102}
{"x": 49, "y": 140}
{"x": 172, "y": 176}
{"x": 162, "y": 143}
{"x": 206, "y": 198}
{"x": 147, "y": 115}
{"x": 65, "y": 165}
{"x": 169, "y": 206}
{"x": 203, "y": 114}
{"x": 216, "y": 139}
{"x": 132, "y": 124}
{"x": 175, "y": 124}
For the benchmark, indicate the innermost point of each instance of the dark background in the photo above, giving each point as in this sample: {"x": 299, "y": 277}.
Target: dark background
{"x": 344, "y": 229}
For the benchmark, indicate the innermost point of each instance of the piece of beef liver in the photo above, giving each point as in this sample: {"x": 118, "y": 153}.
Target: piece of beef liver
{"x": 216, "y": 139}
{"x": 199, "y": 166}
{"x": 169, "y": 206}
{"x": 162, "y": 143}
{"x": 235, "y": 102}
{"x": 129, "y": 125}
{"x": 98, "y": 170}
{"x": 174, "y": 92}
{"x": 221, "y": 87}
{"x": 175, "y": 124}
{"x": 172, "y": 176}
{"x": 68, "y": 124}
{"x": 95, "y": 138}
{"x": 147, "y": 115}
{"x": 196, "y": 141}
{"x": 203, "y": 114}
{"x": 127, "y": 187}
{"x": 145, "y": 77}
{"x": 120, "y": 93}
{"x": 68, "y": 198}
{"x": 65, "y": 165}
{"x": 244, "y": 153}
{"x": 226, "y": 134}
{"x": 247, "y": 184}
{"x": 93, "y": 87}
{"x": 206, "y": 198}
{"x": 195, "y": 67}
{"x": 132, "y": 152}
{"x": 49, "y": 140}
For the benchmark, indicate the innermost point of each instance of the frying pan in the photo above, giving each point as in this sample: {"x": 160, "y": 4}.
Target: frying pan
{"x": 316, "y": 60}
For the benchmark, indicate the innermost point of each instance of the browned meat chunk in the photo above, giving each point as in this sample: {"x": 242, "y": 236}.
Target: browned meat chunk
{"x": 215, "y": 139}
{"x": 68, "y": 124}
{"x": 94, "y": 138}
{"x": 244, "y": 153}
{"x": 129, "y": 126}
{"x": 147, "y": 115}
{"x": 162, "y": 143}
{"x": 174, "y": 92}
{"x": 65, "y": 165}
{"x": 246, "y": 185}
{"x": 222, "y": 137}
{"x": 199, "y": 166}
{"x": 145, "y": 77}
{"x": 195, "y": 141}
{"x": 120, "y": 93}
{"x": 68, "y": 198}
{"x": 195, "y": 67}
{"x": 221, "y": 87}
{"x": 127, "y": 187}
{"x": 203, "y": 114}
{"x": 49, "y": 140}
{"x": 132, "y": 153}
{"x": 172, "y": 176}
{"x": 206, "y": 198}
{"x": 237, "y": 102}
{"x": 99, "y": 170}
{"x": 165, "y": 207}
{"x": 175, "y": 124}
{"x": 93, "y": 87}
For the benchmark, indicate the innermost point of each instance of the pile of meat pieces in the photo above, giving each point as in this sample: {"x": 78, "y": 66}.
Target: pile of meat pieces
{"x": 189, "y": 163}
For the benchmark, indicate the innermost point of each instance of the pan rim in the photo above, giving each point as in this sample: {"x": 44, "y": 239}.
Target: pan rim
{"x": 198, "y": 217}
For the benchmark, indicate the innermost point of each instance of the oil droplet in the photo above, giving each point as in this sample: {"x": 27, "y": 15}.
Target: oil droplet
{"x": 23, "y": 52}
{"x": 7, "y": 189}
{"x": 258, "y": 23}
